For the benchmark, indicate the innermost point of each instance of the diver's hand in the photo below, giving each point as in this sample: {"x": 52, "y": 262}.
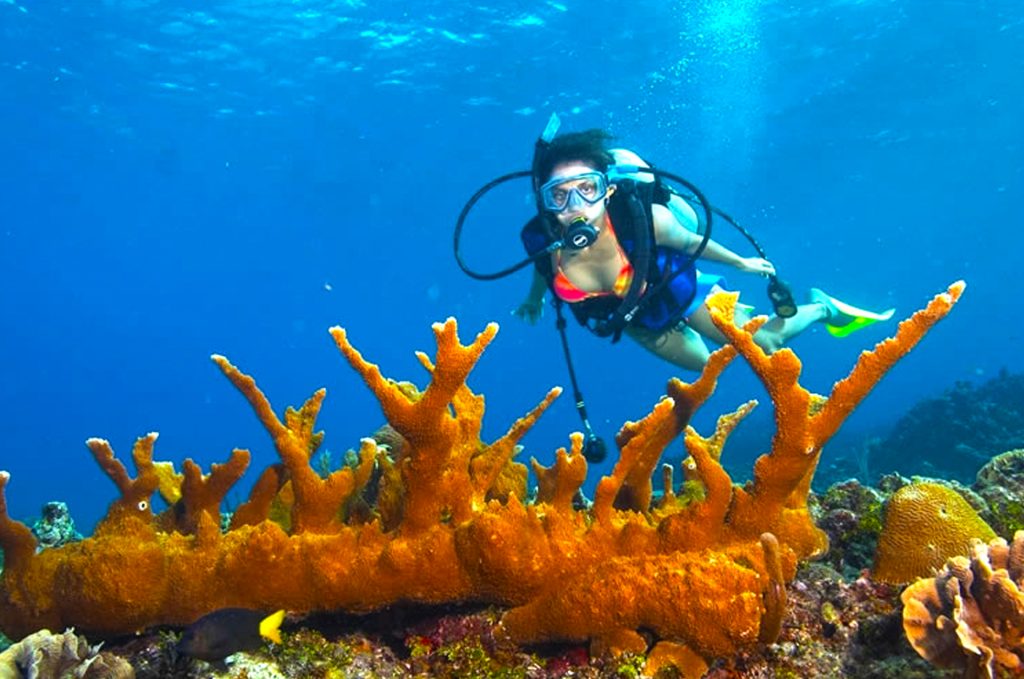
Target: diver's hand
{"x": 530, "y": 311}
{"x": 756, "y": 265}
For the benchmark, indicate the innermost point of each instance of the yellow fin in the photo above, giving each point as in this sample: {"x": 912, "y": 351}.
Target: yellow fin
{"x": 270, "y": 624}
{"x": 845, "y": 318}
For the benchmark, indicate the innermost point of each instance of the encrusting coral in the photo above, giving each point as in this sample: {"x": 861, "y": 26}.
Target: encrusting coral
{"x": 971, "y": 614}
{"x": 450, "y": 522}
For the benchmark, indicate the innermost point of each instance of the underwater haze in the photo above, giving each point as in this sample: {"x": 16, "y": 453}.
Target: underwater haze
{"x": 183, "y": 178}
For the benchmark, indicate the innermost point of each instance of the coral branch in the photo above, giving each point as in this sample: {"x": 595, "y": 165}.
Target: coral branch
{"x": 645, "y": 440}
{"x": 804, "y": 424}
{"x": 16, "y": 540}
{"x": 872, "y": 366}
{"x": 486, "y": 467}
{"x": 204, "y": 494}
{"x": 436, "y": 481}
{"x": 110, "y": 465}
{"x": 690, "y": 397}
{"x": 775, "y": 592}
{"x": 717, "y": 484}
{"x": 455, "y": 361}
{"x": 667, "y": 484}
{"x": 631, "y": 477}
{"x": 257, "y": 508}
{"x": 318, "y": 501}
{"x": 135, "y": 493}
{"x": 558, "y": 484}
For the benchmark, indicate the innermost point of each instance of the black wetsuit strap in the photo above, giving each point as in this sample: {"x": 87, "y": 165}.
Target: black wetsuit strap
{"x": 641, "y": 260}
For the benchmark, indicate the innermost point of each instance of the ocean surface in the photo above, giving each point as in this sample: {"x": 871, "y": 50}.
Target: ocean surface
{"x": 179, "y": 179}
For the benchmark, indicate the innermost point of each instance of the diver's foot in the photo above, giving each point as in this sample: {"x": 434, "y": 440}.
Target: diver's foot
{"x": 841, "y": 318}
{"x": 818, "y": 296}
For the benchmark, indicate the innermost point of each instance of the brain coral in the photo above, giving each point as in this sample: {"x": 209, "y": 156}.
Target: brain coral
{"x": 925, "y": 524}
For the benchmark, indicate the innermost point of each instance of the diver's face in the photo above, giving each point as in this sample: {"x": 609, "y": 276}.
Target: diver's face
{"x": 580, "y": 194}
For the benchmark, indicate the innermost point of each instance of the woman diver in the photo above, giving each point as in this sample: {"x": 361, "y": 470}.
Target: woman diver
{"x": 608, "y": 242}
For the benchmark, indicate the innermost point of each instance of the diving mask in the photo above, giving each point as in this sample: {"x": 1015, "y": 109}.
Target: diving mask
{"x": 587, "y": 187}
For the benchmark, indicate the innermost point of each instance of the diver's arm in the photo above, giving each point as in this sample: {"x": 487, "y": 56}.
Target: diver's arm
{"x": 532, "y": 307}
{"x": 538, "y": 288}
{"x": 670, "y": 233}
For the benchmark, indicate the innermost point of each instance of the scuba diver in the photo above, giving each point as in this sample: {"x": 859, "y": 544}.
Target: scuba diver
{"x": 579, "y": 193}
{"x": 619, "y": 246}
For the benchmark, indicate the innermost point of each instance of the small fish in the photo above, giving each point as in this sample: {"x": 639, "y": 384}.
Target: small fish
{"x": 226, "y": 631}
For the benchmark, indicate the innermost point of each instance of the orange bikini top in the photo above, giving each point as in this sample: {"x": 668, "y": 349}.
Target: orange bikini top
{"x": 568, "y": 292}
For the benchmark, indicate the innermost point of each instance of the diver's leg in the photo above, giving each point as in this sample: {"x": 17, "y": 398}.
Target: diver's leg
{"x": 700, "y": 320}
{"x": 772, "y": 335}
{"x": 777, "y": 331}
{"x": 680, "y": 345}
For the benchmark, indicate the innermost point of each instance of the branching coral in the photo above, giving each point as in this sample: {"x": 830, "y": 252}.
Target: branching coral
{"x": 450, "y": 520}
{"x": 971, "y": 614}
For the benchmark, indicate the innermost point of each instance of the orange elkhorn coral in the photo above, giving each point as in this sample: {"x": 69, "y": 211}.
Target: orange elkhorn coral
{"x": 440, "y": 516}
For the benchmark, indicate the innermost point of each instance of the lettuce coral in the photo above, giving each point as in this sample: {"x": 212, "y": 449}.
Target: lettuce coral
{"x": 971, "y": 614}
{"x": 44, "y": 654}
{"x": 447, "y": 524}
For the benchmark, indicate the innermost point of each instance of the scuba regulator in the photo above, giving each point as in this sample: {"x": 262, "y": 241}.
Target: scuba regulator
{"x": 580, "y": 235}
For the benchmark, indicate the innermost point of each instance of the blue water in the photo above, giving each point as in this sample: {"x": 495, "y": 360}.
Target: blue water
{"x": 181, "y": 179}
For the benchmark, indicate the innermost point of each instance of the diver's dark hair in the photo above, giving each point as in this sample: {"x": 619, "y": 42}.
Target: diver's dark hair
{"x": 589, "y": 147}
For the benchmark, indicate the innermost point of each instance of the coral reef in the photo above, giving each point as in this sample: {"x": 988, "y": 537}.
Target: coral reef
{"x": 925, "y": 524}
{"x": 970, "y": 616}
{"x": 450, "y": 522}
{"x": 953, "y": 435}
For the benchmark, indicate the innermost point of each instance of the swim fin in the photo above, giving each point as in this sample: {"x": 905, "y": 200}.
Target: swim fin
{"x": 844, "y": 318}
